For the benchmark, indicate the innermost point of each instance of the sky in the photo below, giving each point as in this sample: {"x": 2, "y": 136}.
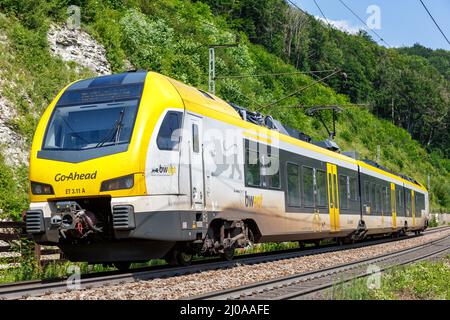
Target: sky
{"x": 401, "y": 22}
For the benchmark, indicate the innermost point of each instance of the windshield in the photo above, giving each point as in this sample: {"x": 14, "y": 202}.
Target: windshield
{"x": 91, "y": 125}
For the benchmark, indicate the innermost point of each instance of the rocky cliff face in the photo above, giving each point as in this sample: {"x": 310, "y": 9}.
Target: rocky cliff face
{"x": 78, "y": 46}
{"x": 12, "y": 145}
{"x": 70, "y": 45}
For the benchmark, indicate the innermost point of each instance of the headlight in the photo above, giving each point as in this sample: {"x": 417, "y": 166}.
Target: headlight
{"x": 41, "y": 188}
{"x": 126, "y": 182}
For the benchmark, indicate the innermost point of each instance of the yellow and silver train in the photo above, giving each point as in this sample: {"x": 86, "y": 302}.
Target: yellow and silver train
{"x": 135, "y": 166}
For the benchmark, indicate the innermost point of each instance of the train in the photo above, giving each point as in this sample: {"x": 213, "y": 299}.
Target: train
{"x": 136, "y": 166}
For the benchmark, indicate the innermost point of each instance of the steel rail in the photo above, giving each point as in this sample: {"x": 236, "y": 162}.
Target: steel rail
{"x": 18, "y": 290}
{"x": 304, "y": 284}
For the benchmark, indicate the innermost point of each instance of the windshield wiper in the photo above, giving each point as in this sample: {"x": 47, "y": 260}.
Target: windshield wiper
{"x": 114, "y": 132}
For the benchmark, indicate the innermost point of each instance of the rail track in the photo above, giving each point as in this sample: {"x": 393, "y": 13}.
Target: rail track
{"x": 314, "y": 284}
{"x": 20, "y": 290}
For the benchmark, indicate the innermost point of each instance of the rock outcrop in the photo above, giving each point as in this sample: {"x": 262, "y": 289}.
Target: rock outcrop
{"x": 12, "y": 146}
{"x": 78, "y": 46}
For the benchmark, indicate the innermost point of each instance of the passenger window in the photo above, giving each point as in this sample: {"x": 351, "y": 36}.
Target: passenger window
{"x": 293, "y": 185}
{"x": 420, "y": 203}
{"x": 367, "y": 193}
{"x": 195, "y": 139}
{"x": 274, "y": 180}
{"x": 373, "y": 202}
{"x": 353, "y": 189}
{"x": 388, "y": 200}
{"x": 321, "y": 185}
{"x": 408, "y": 203}
{"x": 379, "y": 199}
{"x": 399, "y": 203}
{"x": 169, "y": 133}
{"x": 343, "y": 191}
{"x": 252, "y": 170}
{"x": 308, "y": 186}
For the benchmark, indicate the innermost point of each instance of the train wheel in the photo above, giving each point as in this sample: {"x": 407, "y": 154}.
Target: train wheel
{"x": 183, "y": 258}
{"x": 228, "y": 254}
{"x": 122, "y": 265}
{"x": 171, "y": 257}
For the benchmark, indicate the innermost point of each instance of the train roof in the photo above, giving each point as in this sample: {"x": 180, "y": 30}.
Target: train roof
{"x": 205, "y": 100}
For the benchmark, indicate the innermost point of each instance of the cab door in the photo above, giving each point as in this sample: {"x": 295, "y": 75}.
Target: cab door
{"x": 333, "y": 197}
{"x": 393, "y": 206}
{"x": 196, "y": 163}
{"x": 413, "y": 208}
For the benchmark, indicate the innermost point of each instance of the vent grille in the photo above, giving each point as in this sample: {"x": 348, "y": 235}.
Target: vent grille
{"x": 35, "y": 221}
{"x": 123, "y": 217}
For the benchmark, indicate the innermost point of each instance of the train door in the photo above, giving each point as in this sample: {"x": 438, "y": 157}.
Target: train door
{"x": 393, "y": 206}
{"x": 413, "y": 208}
{"x": 333, "y": 197}
{"x": 195, "y": 130}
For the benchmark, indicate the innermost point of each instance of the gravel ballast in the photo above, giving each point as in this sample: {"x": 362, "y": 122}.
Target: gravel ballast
{"x": 180, "y": 287}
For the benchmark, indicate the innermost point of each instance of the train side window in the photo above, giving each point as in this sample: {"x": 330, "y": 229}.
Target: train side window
{"x": 373, "y": 197}
{"x": 169, "y": 133}
{"x": 343, "y": 191}
{"x": 293, "y": 184}
{"x": 321, "y": 186}
{"x": 274, "y": 179}
{"x": 420, "y": 203}
{"x": 195, "y": 139}
{"x": 388, "y": 200}
{"x": 308, "y": 186}
{"x": 367, "y": 193}
{"x": 252, "y": 170}
{"x": 399, "y": 202}
{"x": 408, "y": 203}
{"x": 373, "y": 202}
{"x": 379, "y": 199}
{"x": 353, "y": 189}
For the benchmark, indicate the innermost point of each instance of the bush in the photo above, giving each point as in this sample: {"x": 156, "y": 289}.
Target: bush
{"x": 433, "y": 223}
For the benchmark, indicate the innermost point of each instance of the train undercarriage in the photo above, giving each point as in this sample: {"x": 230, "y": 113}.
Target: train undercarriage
{"x": 87, "y": 230}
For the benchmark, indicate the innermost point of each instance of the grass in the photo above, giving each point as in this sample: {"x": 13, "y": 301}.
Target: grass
{"x": 420, "y": 281}
{"x": 267, "y": 247}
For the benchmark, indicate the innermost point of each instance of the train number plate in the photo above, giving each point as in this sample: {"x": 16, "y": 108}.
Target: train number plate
{"x": 75, "y": 191}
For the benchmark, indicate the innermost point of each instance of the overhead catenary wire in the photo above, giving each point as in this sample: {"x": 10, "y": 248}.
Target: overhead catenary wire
{"x": 323, "y": 14}
{"x": 296, "y": 6}
{"x": 434, "y": 20}
{"x": 365, "y": 24}
{"x": 272, "y": 74}
{"x": 301, "y": 89}
{"x": 331, "y": 105}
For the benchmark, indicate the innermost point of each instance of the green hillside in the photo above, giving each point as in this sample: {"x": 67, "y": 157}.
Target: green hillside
{"x": 172, "y": 37}
{"x": 408, "y": 86}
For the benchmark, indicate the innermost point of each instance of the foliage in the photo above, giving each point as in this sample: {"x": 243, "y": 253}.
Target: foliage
{"x": 421, "y": 281}
{"x": 433, "y": 223}
{"x": 440, "y": 59}
{"x": 409, "y": 86}
{"x": 32, "y": 79}
{"x": 172, "y": 37}
{"x": 13, "y": 191}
